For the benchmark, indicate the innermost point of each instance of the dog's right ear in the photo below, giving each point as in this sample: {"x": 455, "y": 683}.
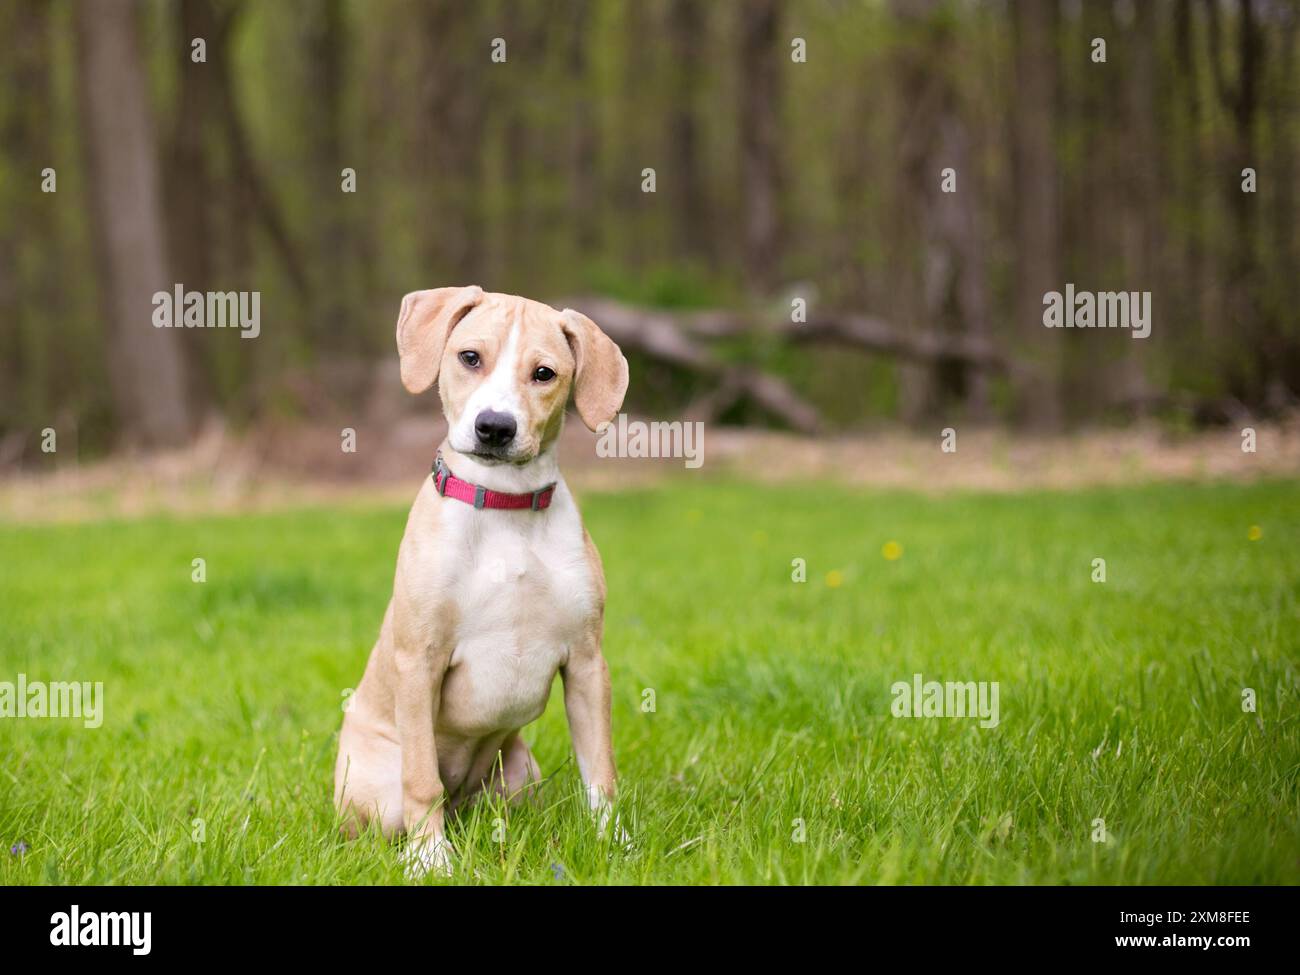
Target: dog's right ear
{"x": 423, "y": 324}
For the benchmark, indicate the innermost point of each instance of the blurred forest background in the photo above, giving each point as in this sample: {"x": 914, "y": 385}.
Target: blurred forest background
{"x": 775, "y": 178}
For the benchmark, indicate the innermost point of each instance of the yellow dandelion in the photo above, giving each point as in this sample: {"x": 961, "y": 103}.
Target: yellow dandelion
{"x": 1255, "y": 533}
{"x": 892, "y": 551}
{"x": 834, "y": 578}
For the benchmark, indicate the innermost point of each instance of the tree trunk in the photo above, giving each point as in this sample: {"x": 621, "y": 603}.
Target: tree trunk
{"x": 690, "y": 200}
{"x": 1196, "y": 297}
{"x": 853, "y": 176}
{"x": 1286, "y": 258}
{"x": 965, "y": 232}
{"x": 1245, "y": 307}
{"x": 458, "y": 56}
{"x": 1093, "y": 207}
{"x": 1038, "y": 262}
{"x": 760, "y": 140}
{"x": 145, "y": 363}
{"x": 1241, "y": 101}
{"x": 636, "y": 142}
{"x": 1142, "y": 246}
{"x": 38, "y": 356}
{"x": 914, "y": 252}
{"x": 516, "y": 257}
{"x": 188, "y": 181}
{"x": 326, "y": 44}
{"x": 945, "y": 264}
{"x": 584, "y": 185}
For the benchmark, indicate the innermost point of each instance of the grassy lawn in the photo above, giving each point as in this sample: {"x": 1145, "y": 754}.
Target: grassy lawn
{"x": 771, "y": 755}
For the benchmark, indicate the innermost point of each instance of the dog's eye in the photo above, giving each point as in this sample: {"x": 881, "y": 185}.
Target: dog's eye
{"x": 543, "y": 374}
{"x": 470, "y": 358}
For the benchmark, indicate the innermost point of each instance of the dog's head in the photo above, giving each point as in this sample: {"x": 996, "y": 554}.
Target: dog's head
{"x": 504, "y": 367}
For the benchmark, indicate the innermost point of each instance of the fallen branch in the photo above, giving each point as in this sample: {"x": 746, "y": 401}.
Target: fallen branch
{"x": 671, "y": 332}
{"x": 671, "y": 337}
{"x": 659, "y": 335}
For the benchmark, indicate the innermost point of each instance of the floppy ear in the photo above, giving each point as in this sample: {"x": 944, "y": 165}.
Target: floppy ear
{"x": 423, "y": 324}
{"x": 600, "y": 378}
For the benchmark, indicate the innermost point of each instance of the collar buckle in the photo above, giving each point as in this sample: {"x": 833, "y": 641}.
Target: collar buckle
{"x": 440, "y": 473}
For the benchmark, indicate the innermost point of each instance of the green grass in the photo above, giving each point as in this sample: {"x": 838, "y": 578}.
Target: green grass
{"x": 1119, "y": 701}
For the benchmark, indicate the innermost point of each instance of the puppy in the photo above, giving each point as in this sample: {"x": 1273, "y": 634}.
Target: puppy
{"x": 498, "y": 586}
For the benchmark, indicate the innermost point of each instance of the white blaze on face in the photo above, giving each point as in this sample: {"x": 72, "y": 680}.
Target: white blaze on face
{"x": 499, "y": 392}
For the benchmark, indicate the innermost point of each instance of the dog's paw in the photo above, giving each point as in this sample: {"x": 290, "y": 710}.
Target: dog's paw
{"x": 619, "y": 835}
{"x": 422, "y": 857}
{"x": 609, "y": 827}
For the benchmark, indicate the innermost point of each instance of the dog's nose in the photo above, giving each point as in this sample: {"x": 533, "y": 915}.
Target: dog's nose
{"x": 494, "y": 429}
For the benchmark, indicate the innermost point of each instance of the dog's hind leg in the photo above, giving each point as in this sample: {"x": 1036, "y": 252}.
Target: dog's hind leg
{"x": 516, "y": 775}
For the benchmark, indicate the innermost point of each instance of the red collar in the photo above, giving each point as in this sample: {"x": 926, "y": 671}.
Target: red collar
{"x": 451, "y": 486}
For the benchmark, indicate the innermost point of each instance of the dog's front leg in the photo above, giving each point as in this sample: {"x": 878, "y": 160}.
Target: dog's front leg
{"x": 587, "y": 704}
{"x": 420, "y": 664}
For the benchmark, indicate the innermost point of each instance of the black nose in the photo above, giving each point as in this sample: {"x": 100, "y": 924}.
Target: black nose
{"x": 494, "y": 429}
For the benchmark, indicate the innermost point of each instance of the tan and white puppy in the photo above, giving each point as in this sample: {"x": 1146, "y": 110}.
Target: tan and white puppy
{"x": 487, "y": 605}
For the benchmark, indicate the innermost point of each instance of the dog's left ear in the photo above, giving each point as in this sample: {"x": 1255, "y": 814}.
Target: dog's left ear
{"x": 600, "y": 377}
{"x": 423, "y": 325}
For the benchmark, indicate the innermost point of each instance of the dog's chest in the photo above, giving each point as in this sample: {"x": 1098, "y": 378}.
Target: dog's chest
{"x": 524, "y": 594}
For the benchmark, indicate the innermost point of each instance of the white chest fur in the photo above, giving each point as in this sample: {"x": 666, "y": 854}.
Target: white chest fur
{"x": 523, "y": 591}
